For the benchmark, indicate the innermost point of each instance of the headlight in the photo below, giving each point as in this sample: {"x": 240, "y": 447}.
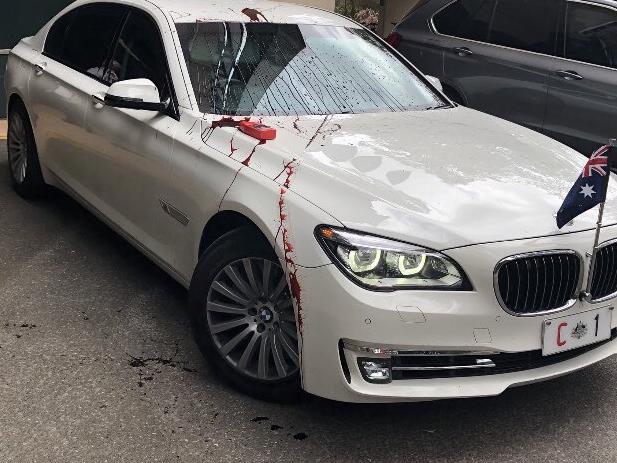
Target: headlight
{"x": 384, "y": 264}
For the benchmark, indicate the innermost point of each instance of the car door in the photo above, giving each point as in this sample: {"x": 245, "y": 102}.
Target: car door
{"x": 130, "y": 148}
{"x": 499, "y": 56}
{"x": 77, "y": 48}
{"x": 582, "y": 102}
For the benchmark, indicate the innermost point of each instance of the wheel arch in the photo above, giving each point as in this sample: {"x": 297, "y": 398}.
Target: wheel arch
{"x": 224, "y": 222}
{"x": 15, "y": 98}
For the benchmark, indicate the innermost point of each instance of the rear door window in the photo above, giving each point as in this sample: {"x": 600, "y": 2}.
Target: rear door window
{"x": 140, "y": 53}
{"x": 591, "y": 34}
{"x": 467, "y": 19}
{"x": 83, "y": 38}
{"x": 529, "y": 25}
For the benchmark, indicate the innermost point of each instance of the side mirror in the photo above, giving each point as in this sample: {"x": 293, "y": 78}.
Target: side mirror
{"x": 436, "y": 82}
{"x": 135, "y": 94}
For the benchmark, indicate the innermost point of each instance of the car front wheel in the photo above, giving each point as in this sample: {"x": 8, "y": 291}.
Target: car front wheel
{"x": 244, "y": 317}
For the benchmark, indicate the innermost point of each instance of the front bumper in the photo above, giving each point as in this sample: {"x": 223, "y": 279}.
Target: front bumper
{"x": 335, "y": 310}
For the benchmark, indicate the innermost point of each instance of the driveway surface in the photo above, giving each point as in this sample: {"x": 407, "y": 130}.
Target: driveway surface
{"x": 97, "y": 364}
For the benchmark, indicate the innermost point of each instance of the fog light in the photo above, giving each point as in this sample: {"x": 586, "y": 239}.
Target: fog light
{"x": 375, "y": 370}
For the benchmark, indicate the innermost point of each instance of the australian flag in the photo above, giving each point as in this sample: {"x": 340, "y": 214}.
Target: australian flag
{"x": 590, "y": 188}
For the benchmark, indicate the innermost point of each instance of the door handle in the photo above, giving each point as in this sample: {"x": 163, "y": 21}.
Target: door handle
{"x": 569, "y": 75}
{"x": 39, "y": 68}
{"x": 97, "y": 101}
{"x": 463, "y": 51}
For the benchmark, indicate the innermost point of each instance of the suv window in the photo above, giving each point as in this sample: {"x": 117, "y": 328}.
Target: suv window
{"x": 140, "y": 54}
{"x": 591, "y": 34}
{"x": 468, "y": 19}
{"x": 82, "y": 39}
{"x": 529, "y": 25}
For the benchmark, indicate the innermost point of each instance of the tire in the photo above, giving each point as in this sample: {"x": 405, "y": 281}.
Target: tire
{"x": 24, "y": 167}
{"x": 249, "y": 334}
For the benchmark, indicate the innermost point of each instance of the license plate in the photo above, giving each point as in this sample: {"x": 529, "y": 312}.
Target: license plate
{"x": 574, "y": 331}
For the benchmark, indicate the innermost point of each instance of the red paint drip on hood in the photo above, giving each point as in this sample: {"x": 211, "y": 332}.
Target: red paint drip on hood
{"x": 296, "y": 125}
{"x": 247, "y": 161}
{"x": 232, "y": 150}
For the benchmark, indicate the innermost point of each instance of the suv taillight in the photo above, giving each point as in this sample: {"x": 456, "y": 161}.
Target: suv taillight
{"x": 394, "y": 39}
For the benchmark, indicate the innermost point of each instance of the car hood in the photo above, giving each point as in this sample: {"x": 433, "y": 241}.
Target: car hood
{"x": 441, "y": 178}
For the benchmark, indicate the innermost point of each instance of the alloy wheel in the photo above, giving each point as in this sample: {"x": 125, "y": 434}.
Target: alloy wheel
{"x": 18, "y": 147}
{"x": 251, "y": 319}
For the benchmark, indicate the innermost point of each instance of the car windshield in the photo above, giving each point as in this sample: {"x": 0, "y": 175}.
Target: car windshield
{"x": 266, "y": 69}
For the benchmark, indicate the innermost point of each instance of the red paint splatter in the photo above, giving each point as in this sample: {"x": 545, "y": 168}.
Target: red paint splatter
{"x": 296, "y": 126}
{"x": 232, "y": 150}
{"x": 247, "y": 161}
{"x": 227, "y": 121}
{"x": 254, "y": 14}
{"x": 289, "y": 170}
{"x": 321, "y": 126}
{"x": 288, "y": 249}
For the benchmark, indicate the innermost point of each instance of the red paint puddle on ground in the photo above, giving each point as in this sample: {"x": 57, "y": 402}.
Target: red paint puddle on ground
{"x": 288, "y": 249}
{"x": 247, "y": 161}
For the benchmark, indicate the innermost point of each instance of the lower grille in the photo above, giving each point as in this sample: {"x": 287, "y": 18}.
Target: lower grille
{"x": 529, "y": 284}
{"x": 406, "y": 367}
{"x": 604, "y": 281}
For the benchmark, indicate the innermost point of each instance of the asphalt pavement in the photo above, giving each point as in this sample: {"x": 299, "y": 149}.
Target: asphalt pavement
{"x": 97, "y": 364}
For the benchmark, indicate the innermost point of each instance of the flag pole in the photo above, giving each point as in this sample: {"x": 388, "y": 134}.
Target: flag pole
{"x": 587, "y": 295}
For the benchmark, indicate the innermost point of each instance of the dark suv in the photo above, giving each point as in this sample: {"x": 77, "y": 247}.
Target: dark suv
{"x": 548, "y": 64}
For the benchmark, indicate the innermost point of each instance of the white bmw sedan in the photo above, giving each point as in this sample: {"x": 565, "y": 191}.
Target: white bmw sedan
{"x": 341, "y": 226}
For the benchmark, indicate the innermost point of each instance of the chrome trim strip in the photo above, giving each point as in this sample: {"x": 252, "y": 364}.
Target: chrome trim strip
{"x": 480, "y": 363}
{"x": 385, "y": 350}
{"x": 5, "y": 51}
{"x": 445, "y": 353}
{"x": 175, "y": 213}
{"x": 612, "y": 295}
{"x": 566, "y": 306}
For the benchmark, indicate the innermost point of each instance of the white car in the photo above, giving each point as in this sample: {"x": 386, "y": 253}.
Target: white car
{"x": 341, "y": 226}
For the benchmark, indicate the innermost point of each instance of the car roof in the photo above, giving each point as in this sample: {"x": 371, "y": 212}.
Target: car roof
{"x": 183, "y": 11}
